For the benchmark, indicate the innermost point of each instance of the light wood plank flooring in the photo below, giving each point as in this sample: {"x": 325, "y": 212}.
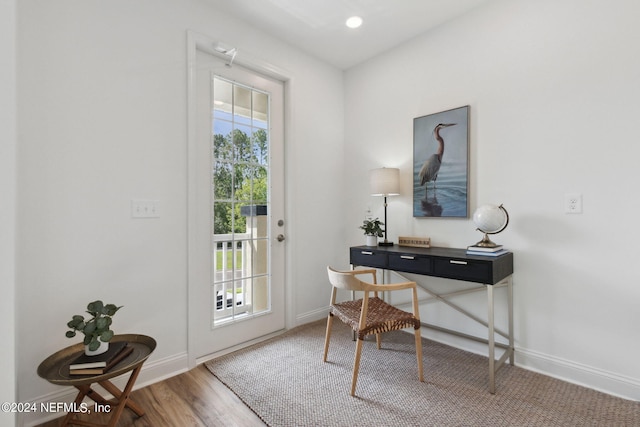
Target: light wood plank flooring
{"x": 195, "y": 398}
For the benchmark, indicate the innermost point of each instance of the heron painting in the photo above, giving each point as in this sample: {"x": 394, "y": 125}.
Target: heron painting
{"x": 441, "y": 164}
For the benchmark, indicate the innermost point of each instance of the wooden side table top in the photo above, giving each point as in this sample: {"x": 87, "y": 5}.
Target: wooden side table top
{"x": 55, "y": 368}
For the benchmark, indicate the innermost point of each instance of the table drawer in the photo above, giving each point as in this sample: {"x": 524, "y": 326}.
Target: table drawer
{"x": 473, "y": 271}
{"x": 410, "y": 263}
{"x": 369, "y": 258}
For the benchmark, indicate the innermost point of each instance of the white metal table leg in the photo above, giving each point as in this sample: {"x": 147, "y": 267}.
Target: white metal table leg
{"x": 492, "y": 360}
{"x": 510, "y": 308}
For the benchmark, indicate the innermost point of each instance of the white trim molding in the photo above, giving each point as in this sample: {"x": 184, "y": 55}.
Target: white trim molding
{"x": 580, "y": 374}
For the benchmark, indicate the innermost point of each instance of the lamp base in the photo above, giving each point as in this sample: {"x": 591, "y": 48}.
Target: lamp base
{"x": 385, "y": 243}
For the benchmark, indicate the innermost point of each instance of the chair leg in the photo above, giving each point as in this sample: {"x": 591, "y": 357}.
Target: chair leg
{"x": 327, "y": 337}
{"x": 379, "y": 341}
{"x": 356, "y": 367}
{"x": 419, "y": 355}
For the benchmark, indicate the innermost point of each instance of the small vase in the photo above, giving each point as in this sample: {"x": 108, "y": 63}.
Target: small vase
{"x": 372, "y": 241}
{"x": 104, "y": 346}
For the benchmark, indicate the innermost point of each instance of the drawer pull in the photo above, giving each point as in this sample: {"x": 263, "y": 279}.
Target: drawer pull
{"x": 407, "y": 257}
{"x": 366, "y": 253}
{"x": 454, "y": 261}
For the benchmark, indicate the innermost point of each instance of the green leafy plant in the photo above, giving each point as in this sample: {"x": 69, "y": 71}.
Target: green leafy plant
{"x": 98, "y": 326}
{"x": 372, "y": 227}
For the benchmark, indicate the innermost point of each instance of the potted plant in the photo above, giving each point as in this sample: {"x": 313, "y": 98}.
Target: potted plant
{"x": 372, "y": 229}
{"x": 96, "y": 330}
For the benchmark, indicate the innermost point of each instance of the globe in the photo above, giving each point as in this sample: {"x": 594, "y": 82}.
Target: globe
{"x": 490, "y": 219}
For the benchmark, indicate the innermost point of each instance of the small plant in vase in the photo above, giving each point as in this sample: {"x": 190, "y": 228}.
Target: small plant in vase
{"x": 96, "y": 330}
{"x": 372, "y": 229}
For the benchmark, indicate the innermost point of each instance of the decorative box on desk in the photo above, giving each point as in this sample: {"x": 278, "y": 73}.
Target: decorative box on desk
{"x": 451, "y": 263}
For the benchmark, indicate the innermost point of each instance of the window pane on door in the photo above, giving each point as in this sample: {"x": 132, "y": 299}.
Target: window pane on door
{"x": 240, "y": 201}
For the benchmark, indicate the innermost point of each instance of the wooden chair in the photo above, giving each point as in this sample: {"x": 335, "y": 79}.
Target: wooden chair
{"x": 368, "y": 316}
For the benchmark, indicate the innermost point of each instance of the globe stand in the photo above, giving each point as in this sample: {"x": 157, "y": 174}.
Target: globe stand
{"x": 486, "y": 242}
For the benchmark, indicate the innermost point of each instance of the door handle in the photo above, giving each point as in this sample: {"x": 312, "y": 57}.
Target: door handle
{"x": 280, "y": 237}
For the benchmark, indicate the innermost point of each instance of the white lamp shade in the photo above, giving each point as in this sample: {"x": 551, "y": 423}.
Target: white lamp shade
{"x": 385, "y": 181}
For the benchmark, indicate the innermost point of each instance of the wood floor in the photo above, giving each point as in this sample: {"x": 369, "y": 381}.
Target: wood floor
{"x": 195, "y": 398}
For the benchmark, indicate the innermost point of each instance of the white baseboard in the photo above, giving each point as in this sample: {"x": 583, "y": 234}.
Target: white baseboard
{"x": 552, "y": 366}
{"x": 576, "y": 373}
{"x": 152, "y": 372}
{"x": 555, "y": 367}
{"x": 311, "y": 316}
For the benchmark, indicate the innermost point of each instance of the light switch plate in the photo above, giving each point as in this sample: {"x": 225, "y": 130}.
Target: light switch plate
{"x": 145, "y": 208}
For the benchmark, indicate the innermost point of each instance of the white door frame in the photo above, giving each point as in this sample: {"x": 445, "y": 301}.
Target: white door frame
{"x": 197, "y": 41}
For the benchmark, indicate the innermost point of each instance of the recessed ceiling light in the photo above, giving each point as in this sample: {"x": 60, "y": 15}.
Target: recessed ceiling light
{"x": 354, "y": 22}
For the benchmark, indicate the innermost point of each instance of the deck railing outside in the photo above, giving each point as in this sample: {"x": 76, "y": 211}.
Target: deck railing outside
{"x": 231, "y": 266}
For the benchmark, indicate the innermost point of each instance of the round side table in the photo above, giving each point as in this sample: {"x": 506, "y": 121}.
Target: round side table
{"x": 55, "y": 369}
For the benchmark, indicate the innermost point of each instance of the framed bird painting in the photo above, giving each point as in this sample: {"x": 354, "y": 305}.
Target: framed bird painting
{"x": 441, "y": 164}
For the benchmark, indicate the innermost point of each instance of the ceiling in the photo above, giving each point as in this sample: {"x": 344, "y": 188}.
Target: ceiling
{"x": 318, "y": 26}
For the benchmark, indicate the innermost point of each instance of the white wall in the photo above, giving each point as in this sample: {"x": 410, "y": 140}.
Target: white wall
{"x": 553, "y": 93}
{"x": 8, "y": 204}
{"x": 102, "y": 120}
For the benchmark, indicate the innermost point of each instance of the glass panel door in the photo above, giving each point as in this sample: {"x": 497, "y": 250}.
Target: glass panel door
{"x": 236, "y": 206}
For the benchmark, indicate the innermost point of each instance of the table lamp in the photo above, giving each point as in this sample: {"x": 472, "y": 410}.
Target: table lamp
{"x": 385, "y": 182}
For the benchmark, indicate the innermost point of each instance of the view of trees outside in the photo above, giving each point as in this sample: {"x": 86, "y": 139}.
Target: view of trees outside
{"x": 240, "y": 153}
{"x": 239, "y": 177}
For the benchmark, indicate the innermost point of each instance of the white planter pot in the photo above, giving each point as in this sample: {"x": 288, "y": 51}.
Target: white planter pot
{"x": 104, "y": 346}
{"x": 372, "y": 241}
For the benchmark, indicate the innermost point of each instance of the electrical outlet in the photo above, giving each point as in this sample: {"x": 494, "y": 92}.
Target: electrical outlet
{"x": 573, "y": 203}
{"x": 145, "y": 208}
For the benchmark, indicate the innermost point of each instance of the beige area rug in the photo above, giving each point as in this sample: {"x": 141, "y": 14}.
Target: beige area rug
{"x": 285, "y": 382}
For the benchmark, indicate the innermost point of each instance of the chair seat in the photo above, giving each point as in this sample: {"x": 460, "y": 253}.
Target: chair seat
{"x": 381, "y": 317}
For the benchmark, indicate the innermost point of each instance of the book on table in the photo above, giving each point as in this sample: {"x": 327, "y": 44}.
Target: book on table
{"x": 480, "y": 253}
{"x": 475, "y": 248}
{"x": 100, "y": 361}
{"x": 126, "y": 351}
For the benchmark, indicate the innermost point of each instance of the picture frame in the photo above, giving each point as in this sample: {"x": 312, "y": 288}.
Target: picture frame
{"x": 441, "y": 164}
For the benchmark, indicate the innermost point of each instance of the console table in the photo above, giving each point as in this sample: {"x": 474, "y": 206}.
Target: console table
{"x": 490, "y": 271}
